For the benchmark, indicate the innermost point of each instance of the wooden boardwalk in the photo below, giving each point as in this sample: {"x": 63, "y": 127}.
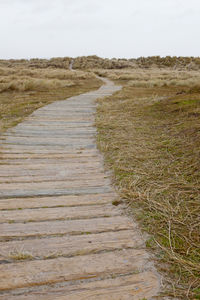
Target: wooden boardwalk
{"x": 60, "y": 235}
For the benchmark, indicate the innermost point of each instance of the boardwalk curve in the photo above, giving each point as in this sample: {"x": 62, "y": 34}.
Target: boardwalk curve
{"x": 60, "y": 235}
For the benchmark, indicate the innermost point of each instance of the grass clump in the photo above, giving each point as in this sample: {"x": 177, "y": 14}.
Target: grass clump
{"x": 20, "y": 255}
{"x": 151, "y": 140}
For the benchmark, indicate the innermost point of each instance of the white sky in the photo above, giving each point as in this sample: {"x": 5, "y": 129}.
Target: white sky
{"x": 107, "y": 28}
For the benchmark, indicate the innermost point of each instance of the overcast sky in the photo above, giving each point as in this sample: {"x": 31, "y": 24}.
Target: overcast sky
{"x": 107, "y": 28}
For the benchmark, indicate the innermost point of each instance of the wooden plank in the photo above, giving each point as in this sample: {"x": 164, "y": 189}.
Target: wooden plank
{"x": 72, "y": 227}
{"x": 58, "y": 213}
{"x": 70, "y": 245}
{"x": 32, "y": 273}
{"x": 134, "y": 287}
{"x": 68, "y": 201}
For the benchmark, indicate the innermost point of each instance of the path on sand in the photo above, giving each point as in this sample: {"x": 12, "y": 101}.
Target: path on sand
{"x": 57, "y": 213}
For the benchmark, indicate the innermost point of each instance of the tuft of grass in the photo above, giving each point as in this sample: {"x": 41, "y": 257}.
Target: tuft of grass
{"x": 20, "y": 255}
{"x": 151, "y": 140}
{"x": 117, "y": 202}
{"x": 11, "y": 221}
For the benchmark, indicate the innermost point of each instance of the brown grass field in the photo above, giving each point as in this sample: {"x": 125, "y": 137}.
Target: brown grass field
{"x": 149, "y": 133}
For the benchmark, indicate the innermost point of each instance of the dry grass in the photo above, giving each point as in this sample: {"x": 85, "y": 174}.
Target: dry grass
{"x": 22, "y": 90}
{"x": 93, "y": 61}
{"x": 151, "y": 140}
{"x": 55, "y": 62}
{"x": 20, "y": 254}
{"x": 178, "y": 63}
{"x": 150, "y": 135}
{"x": 154, "y": 77}
{"x": 20, "y": 79}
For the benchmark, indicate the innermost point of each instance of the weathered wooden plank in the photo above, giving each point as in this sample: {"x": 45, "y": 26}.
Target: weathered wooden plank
{"x": 8, "y": 231}
{"x": 131, "y": 287}
{"x": 70, "y": 245}
{"x": 36, "y": 273}
{"x": 58, "y": 213}
{"x": 68, "y": 201}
